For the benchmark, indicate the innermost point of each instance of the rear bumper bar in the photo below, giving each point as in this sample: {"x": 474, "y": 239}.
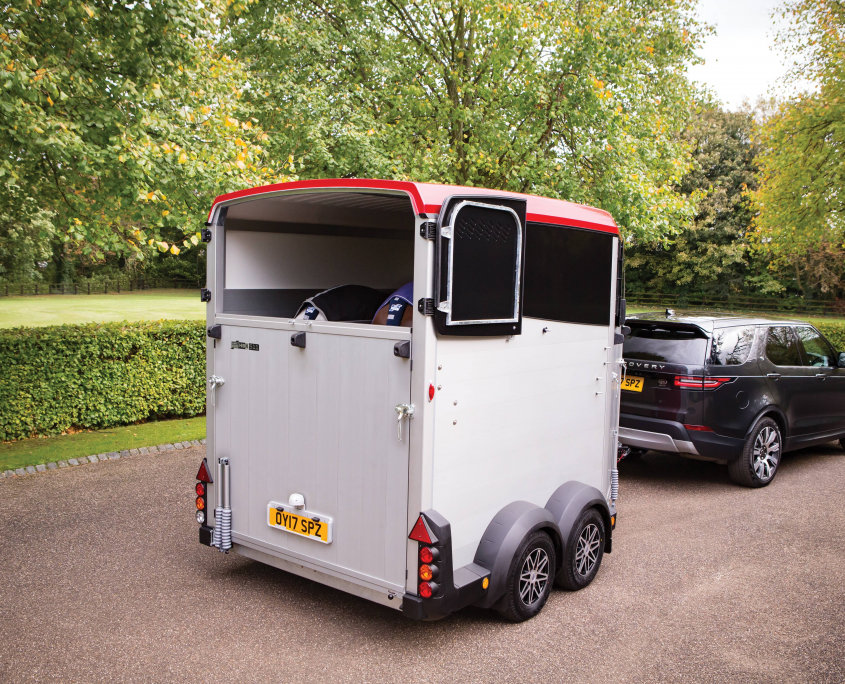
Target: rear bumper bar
{"x": 658, "y": 441}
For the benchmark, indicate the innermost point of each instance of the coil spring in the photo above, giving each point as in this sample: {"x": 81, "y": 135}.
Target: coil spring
{"x": 222, "y": 535}
{"x": 223, "y": 518}
{"x": 614, "y": 484}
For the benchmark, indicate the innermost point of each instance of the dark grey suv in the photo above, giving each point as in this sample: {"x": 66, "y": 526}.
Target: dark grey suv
{"x": 739, "y": 391}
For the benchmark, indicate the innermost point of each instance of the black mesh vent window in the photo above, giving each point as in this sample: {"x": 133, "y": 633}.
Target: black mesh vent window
{"x": 480, "y": 249}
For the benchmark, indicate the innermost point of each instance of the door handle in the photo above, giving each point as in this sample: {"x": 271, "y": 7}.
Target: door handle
{"x": 403, "y": 412}
{"x": 773, "y": 376}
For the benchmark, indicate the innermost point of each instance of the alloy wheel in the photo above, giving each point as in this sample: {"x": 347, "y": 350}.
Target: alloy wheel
{"x": 534, "y": 576}
{"x": 766, "y": 453}
{"x": 587, "y": 549}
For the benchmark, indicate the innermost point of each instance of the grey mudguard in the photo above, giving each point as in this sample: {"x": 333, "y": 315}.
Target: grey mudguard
{"x": 567, "y": 503}
{"x": 502, "y": 538}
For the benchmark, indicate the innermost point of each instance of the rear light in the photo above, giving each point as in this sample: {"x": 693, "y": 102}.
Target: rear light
{"x": 698, "y": 428}
{"x": 429, "y": 556}
{"x": 204, "y": 477}
{"x": 699, "y": 382}
{"x": 427, "y": 589}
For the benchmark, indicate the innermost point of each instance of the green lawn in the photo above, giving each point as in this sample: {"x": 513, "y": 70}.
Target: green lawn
{"x": 61, "y": 448}
{"x": 147, "y": 305}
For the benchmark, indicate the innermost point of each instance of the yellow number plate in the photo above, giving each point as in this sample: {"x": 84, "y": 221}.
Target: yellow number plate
{"x": 633, "y": 383}
{"x": 302, "y": 523}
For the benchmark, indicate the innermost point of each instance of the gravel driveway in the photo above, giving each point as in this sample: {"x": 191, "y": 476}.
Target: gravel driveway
{"x": 103, "y": 580}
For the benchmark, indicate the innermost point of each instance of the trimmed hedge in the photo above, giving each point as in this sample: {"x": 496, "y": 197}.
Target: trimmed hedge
{"x": 58, "y": 378}
{"x": 67, "y": 377}
{"x": 834, "y": 331}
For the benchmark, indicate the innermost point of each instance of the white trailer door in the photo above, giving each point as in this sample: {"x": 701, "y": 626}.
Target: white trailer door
{"x": 319, "y": 422}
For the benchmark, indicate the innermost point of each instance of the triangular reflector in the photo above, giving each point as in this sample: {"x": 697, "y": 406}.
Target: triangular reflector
{"x": 420, "y": 532}
{"x": 202, "y": 474}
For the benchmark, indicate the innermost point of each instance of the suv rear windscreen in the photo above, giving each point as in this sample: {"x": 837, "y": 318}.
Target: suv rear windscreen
{"x": 687, "y": 346}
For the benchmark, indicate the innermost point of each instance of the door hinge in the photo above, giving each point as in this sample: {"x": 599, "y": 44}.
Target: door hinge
{"x": 205, "y": 295}
{"x": 205, "y": 235}
{"x": 428, "y": 230}
{"x": 426, "y": 306}
{"x": 215, "y": 331}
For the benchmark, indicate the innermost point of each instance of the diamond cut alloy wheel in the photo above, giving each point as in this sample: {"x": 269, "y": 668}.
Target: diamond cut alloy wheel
{"x": 766, "y": 453}
{"x": 587, "y": 550}
{"x": 534, "y": 576}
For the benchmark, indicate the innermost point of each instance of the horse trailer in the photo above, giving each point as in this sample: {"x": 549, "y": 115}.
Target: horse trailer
{"x": 413, "y": 390}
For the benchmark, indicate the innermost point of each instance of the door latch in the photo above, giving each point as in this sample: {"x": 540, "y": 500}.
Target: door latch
{"x": 403, "y": 411}
{"x": 214, "y": 382}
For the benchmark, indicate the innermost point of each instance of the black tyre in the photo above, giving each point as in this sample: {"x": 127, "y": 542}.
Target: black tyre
{"x": 583, "y": 553}
{"x": 842, "y": 442}
{"x": 529, "y": 581}
{"x": 758, "y": 463}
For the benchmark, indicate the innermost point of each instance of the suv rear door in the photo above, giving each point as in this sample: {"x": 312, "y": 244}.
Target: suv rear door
{"x": 826, "y": 382}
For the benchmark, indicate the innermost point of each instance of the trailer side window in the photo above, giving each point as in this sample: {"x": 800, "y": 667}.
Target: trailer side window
{"x": 567, "y": 274}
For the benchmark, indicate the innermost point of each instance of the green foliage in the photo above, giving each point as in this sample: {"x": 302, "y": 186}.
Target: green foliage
{"x": 712, "y": 256}
{"x": 834, "y": 331}
{"x": 121, "y": 120}
{"x": 801, "y": 220}
{"x": 93, "y": 376}
{"x": 578, "y": 100}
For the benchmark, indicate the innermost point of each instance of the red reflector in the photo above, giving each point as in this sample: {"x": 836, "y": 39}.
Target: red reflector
{"x": 202, "y": 474}
{"x": 420, "y": 532}
{"x": 425, "y": 590}
{"x": 698, "y": 428}
{"x": 200, "y": 489}
{"x": 426, "y": 556}
{"x": 699, "y": 382}
{"x": 430, "y": 392}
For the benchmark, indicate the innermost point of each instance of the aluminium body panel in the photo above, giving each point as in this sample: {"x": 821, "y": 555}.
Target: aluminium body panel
{"x": 319, "y": 422}
{"x": 516, "y": 417}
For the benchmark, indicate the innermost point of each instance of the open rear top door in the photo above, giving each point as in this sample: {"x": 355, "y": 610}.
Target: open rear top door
{"x": 480, "y": 257}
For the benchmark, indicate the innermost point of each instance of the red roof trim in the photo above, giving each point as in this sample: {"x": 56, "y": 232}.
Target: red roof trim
{"x": 428, "y": 198}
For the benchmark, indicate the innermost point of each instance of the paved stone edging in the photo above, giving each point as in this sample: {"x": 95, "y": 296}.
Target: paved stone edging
{"x": 96, "y": 458}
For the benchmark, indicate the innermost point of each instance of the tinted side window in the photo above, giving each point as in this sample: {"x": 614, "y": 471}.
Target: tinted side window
{"x": 817, "y": 350}
{"x": 567, "y": 274}
{"x": 673, "y": 345}
{"x": 731, "y": 346}
{"x": 782, "y": 348}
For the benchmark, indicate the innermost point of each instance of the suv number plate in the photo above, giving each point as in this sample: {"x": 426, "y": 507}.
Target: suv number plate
{"x": 633, "y": 383}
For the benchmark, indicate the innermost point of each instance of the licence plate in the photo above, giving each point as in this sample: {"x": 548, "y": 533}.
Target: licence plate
{"x": 633, "y": 383}
{"x": 299, "y": 522}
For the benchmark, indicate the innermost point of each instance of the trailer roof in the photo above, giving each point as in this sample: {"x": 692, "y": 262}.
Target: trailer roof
{"x": 427, "y": 198}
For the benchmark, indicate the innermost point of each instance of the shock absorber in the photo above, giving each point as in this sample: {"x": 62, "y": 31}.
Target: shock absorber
{"x": 222, "y": 535}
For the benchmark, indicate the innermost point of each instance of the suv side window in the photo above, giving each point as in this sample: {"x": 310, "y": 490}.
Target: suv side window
{"x": 731, "y": 346}
{"x": 817, "y": 350}
{"x": 782, "y": 347}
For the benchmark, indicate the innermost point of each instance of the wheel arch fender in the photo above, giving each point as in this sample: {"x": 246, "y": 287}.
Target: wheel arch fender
{"x": 568, "y": 502}
{"x": 502, "y": 538}
{"x": 776, "y": 415}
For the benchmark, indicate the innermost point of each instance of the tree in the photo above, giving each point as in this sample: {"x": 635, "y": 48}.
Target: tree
{"x": 119, "y": 121}
{"x": 578, "y": 100}
{"x": 712, "y": 256}
{"x": 801, "y": 204}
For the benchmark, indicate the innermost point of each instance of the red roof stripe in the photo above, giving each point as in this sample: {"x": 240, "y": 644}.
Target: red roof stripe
{"x": 427, "y": 198}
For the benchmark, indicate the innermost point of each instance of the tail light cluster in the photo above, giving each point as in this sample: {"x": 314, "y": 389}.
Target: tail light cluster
{"x": 700, "y": 382}
{"x": 204, "y": 478}
{"x": 428, "y": 571}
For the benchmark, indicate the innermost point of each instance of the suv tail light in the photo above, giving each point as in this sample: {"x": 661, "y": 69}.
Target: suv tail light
{"x": 699, "y": 382}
